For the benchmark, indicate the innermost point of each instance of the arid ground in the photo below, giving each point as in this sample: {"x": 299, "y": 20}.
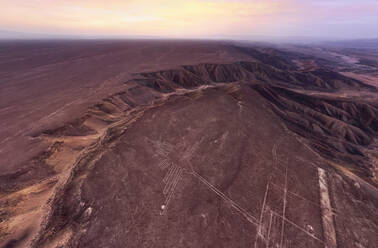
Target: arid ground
{"x": 188, "y": 144}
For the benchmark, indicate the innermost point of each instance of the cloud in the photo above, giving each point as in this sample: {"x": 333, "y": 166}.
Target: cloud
{"x": 190, "y": 18}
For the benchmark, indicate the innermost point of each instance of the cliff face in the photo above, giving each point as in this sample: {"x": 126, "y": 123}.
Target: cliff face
{"x": 237, "y": 154}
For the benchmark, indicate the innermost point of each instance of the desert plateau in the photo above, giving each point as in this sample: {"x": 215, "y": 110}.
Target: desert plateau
{"x": 185, "y": 143}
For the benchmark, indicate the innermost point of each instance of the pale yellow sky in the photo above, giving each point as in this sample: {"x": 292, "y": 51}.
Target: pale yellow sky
{"x": 173, "y": 18}
{"x": 168, "y": 18}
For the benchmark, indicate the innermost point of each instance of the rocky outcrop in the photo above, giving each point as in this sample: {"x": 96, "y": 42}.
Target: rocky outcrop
{"x": 339, "y": 129}
{"x": 190, "y": 76}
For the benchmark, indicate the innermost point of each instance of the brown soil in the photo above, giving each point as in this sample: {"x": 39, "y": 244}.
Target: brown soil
{"x": 183, "y": 144}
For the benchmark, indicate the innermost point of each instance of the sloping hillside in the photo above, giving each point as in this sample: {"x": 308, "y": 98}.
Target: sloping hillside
{"x": 249, "y": 153}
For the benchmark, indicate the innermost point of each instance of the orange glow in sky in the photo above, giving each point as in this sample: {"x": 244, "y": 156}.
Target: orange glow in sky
{"x": 167, "y": 18}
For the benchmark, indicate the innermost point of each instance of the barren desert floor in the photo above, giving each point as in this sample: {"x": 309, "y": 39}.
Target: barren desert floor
{"x": 187, "y": 144}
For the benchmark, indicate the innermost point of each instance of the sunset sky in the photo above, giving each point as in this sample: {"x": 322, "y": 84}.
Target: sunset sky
{"x": 239, "y": 19}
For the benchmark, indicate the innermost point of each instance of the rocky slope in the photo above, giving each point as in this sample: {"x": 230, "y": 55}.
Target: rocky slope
{"x": 247, "y": 153}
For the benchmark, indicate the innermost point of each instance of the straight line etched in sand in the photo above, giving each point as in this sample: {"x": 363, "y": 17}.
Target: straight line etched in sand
{"x": 258, "y": 233}
{"x": 327, "y": 215}
{"x": 232, "y": 203}
{"x": 284, "y": 210}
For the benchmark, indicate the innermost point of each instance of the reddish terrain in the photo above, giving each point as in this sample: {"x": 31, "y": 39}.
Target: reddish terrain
{"x": 186, "y": 144}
